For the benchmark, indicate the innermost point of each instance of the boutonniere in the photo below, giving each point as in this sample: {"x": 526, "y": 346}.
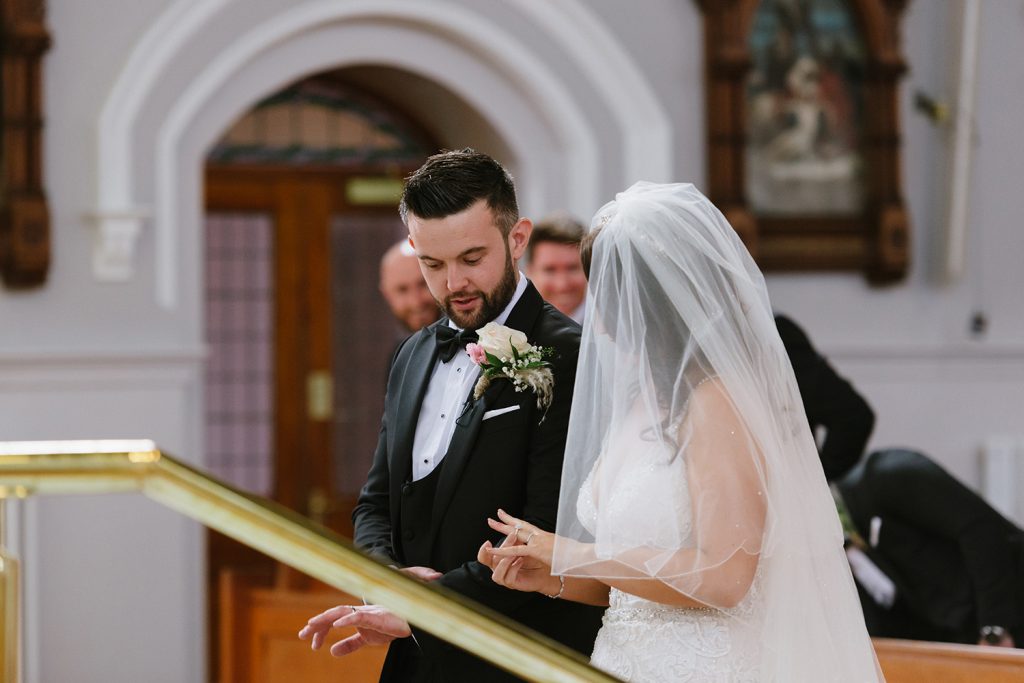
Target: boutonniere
{"x": 504, "y": 353}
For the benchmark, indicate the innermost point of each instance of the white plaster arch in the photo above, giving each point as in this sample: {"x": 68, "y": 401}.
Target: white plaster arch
{"x": 570, "y": 124}
{"x": 619, "y": 84}
{"x": 643, "y": 122}
{"x": 153, "y": 54}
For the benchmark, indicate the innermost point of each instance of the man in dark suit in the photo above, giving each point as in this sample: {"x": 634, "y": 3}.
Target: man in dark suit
{"x": 931, "y": 559}
{"x": 840, "y": 418}
{"x": 956, "y": 565}
{"x": 445, "y": 461}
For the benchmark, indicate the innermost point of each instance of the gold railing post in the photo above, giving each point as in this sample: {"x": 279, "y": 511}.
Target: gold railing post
{"x": 9, "y": 605}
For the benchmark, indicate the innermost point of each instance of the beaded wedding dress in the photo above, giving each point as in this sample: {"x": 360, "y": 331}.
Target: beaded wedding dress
{"x": 644, "y": 641}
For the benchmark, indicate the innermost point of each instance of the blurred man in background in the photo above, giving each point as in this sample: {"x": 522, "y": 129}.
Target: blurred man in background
{"x": 403, "y": 287}
{"x": 554, "y": 264}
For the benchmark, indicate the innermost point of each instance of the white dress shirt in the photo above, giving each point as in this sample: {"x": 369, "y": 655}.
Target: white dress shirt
{"x": 450, "y": 385}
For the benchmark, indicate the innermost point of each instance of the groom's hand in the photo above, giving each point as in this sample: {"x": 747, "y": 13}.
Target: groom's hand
{"x": 374, "y": 626}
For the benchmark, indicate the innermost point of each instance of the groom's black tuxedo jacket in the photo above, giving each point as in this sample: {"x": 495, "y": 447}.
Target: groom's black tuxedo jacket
{"x": 511, "y": 461}
{"x": 957, "y": 563}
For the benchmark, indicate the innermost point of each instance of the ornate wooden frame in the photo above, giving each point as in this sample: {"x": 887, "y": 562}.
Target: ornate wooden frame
{"x": 877, "y": 241}
{"x": 24, "y": 216}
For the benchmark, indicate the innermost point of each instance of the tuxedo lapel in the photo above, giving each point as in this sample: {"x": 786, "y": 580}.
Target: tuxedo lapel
{"x": 419, "y": 368}
{"x": 522, "y": 317}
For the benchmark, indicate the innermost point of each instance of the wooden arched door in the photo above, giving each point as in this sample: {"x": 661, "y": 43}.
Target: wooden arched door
{"x": 301, "y": 202}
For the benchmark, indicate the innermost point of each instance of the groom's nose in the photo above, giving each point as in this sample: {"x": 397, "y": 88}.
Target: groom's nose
{"x": 457, "y": 280}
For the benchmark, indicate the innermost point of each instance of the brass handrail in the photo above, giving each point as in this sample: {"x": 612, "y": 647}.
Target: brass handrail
{"x": 43, "y": 467}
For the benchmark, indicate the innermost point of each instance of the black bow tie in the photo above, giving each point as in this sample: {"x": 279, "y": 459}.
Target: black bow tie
{"x": 449, "y": 341}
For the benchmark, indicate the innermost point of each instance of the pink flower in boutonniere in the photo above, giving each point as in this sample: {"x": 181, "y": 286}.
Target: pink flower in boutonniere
{"x": 476, "y": 353}
{"x": 504, "y": 353}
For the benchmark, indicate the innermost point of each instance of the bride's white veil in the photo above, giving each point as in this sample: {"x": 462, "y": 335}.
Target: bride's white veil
{"x": 682, "y": 377}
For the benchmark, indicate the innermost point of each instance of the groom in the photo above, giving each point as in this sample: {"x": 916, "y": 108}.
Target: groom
{"x": 445, "y": 461}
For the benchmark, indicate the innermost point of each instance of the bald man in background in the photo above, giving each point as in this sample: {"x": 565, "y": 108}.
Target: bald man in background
{"x": 403, "y": 287}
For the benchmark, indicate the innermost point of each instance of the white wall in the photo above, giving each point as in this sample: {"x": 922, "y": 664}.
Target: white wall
{"x": 80, "y": 358}
{"x": 113, "y": 585}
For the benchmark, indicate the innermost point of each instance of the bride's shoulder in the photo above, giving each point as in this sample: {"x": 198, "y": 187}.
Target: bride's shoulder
{"x": 710, "y": 397}
{"x": 708, "y": 388}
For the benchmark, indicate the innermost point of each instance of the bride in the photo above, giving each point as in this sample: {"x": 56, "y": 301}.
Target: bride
{"x": 693, "y": 502}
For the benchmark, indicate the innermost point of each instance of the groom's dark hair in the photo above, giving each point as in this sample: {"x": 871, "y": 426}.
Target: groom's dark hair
{"x": 452, "y": 181}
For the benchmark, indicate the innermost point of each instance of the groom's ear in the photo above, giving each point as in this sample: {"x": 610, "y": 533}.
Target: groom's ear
{"x": 519, "y": 237}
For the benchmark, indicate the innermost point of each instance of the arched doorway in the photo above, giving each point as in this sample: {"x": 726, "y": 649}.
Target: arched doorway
{"x": 301, "y": 198}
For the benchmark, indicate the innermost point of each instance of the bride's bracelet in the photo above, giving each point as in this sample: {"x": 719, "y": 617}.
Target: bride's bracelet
{"x": 561, "y": 588}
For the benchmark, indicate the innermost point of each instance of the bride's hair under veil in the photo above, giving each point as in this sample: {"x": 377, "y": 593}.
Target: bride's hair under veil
{"x": 689, "y": 460}
{"x": 665, "y": 346}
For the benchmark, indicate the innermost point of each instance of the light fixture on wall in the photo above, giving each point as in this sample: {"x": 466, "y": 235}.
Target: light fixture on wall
{"x": 935, "y": 111}
{"x": 967, "y": 15}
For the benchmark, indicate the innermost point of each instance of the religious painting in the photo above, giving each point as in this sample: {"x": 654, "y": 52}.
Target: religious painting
{"x": 803, "y": 132}
{"x": 805, "y": 104}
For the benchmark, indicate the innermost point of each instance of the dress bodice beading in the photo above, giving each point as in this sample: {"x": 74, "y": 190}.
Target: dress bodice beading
{"x": 648, "y": 505}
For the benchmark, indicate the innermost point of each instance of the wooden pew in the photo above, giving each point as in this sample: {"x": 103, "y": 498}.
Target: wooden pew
{"x": 259, "y": 623}
{"x": 908, "y": 661}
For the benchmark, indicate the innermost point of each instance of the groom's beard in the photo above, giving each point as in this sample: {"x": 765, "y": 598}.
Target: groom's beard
{"x": 491, "y": 303}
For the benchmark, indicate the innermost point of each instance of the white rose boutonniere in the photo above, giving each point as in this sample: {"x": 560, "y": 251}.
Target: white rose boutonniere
{"x": 500, "y": 341}
{"x": 504, "y": 353}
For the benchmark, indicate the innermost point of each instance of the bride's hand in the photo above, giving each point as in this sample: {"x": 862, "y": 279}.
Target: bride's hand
{"x": 527, "y": 575}
{"x": 527, "y": 541}
{"x": 522, "y": 571}
{"x": 518, "y": 573}
{"x": 484, "y": 556}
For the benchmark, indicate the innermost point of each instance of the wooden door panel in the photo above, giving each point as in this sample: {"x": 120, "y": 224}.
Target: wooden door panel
{"x": 257, "y": 613}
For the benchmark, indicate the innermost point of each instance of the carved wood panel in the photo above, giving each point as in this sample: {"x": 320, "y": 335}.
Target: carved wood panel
{"x": 24, "y": 216}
